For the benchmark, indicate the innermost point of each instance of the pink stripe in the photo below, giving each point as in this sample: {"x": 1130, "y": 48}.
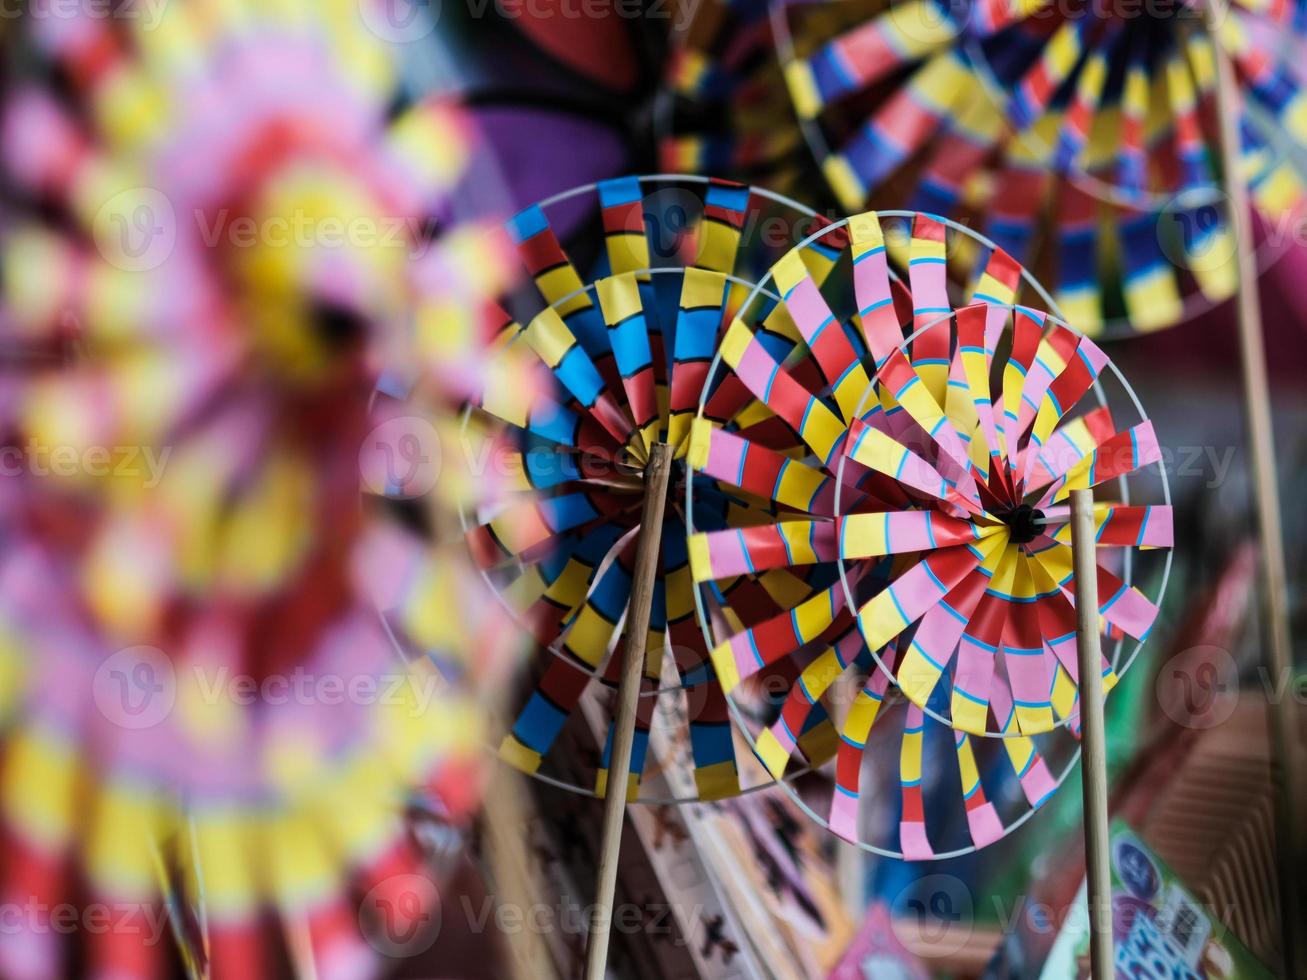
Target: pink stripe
{"x": 984, "y": 825}
{"x": 975, "y": 670}
{"x": 844, "y": 816}
{"x": 1036, "y": 388}
{"x": 726, "y": 554}
{"x": 808, "y": 308}
{"x": 1030, "y": 676}
{"x": 913, "y": 840}
{"x": 1037, "y": 783}
{"x": 871, "y": 286}
{"x": 725, "y": 457}
{"x": 1159, "y": 532}
{"x": 929, "y": 290}
{"x": 995, "y": 320}
{"x": 916, "y": 591}
{"x": 909, "y": 531}
{"x": 938, "y": 634}
{"x": 746, "y": 663}
{"x": 1097, "y": 359}
{"x": 1146, "y": 443}
{"x": 755, "y": 368}
{"x": 1065, "y": 652}
{"x": 1131, "y": 612}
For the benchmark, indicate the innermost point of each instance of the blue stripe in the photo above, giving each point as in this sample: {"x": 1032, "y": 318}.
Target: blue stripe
{"x": 527, "y": 223}
{"x": 619, "y": 190}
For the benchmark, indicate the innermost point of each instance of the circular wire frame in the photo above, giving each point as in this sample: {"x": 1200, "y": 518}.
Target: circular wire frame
{"x": 774, "y": 748}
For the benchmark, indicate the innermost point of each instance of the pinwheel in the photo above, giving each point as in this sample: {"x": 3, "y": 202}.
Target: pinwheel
{"x": 927, "y": 510}
{"x": 1083, "y": 140}
{"x": 724, "y": 96}
{"x": 225, "y": 682}
{"x": 559, "y": 91}
{"x": 1100, "y": 161}
{"x": 628, "y": 353}
{"x": 582, "y": 556}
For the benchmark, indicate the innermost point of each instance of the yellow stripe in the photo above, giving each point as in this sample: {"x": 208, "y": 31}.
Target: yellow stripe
{"x": 700, "y": 558}
{"x": 917, "y": 676}
{"x": 861, "y": 716}
{"x": 549, "y": 337}
{"x": 803, "y": 89}
{"x": 844, "y": 182}
{"x": 796, "y": 535}
{"x": 589, "y": 636}
{"x": 724, "y": 663}
{"x": 773, "y": 755}
{"x": 798, "y": 485}
{"x": 789, "y": 271}
{"x": 701, "y": 288}
{"x": 717, "y": 782}
{"x": 968, "y": 715}
{"x": 910, "y": 757}
{"x": 736, "y": 342}
{"x": 619, "y": 298}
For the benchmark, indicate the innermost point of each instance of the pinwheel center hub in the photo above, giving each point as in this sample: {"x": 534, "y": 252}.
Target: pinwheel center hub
{"x": 1025, "y": 523}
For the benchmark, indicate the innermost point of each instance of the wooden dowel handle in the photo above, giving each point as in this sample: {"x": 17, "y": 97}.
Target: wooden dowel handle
{"x": 656, "y": 474}
{"x": 1093, "y": 759}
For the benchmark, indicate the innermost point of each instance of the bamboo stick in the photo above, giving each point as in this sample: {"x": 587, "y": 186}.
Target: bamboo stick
{"x": 656, "y": 475}
{"x": 1286, "y": 774}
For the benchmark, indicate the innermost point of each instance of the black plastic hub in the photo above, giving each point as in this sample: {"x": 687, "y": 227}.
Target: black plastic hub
{"x": 1025, "y": 522}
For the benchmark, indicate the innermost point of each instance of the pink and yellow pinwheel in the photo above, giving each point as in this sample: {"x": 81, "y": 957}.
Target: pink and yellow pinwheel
{"x": 928, "y": 504}
{"x": 220, "y": 230}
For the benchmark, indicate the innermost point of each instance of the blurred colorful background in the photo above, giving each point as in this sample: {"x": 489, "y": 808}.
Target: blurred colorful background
{"x": 284, "y": 689}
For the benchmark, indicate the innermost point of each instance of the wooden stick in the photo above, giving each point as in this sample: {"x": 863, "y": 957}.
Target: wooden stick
{"x": 1286, "y": 775}
{"x": 656, "y": 474}
{"x": 1093, "y": 761}
{"x": 513, "y": 873}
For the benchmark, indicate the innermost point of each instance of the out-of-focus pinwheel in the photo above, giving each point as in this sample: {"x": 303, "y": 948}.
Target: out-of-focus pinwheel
{"x": 927, "y": 509}
{"x": 724, "y": 98}
{"x": 1082, "y": 143}
{"x": 574, "y": 105}
{"x": 606, "y": 46}
{"x": 628, "y": 346}
{"x": 221, "y": 228}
